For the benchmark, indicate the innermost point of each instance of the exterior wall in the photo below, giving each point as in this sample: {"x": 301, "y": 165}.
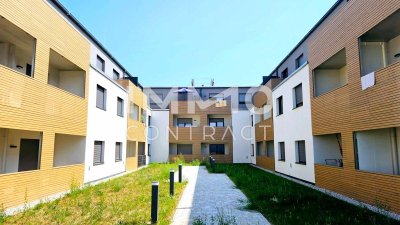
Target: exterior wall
{"x": 160, "y": 136}
{"x": 294, "y": 125}
{"x": 107, "y": 126}
{"x": 349, "y": 108}
{"x": 242, "y": 148}
{"x": 31, "y": 104}
{"x": 137, "y": 130}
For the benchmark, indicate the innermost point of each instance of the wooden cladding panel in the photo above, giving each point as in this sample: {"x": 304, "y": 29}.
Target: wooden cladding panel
{"x": 197, "y": 107}
{"x": 32, "y": 104}
{"x": 375, "y": 189}
{"x": 37, "y": 184}
{"x": 266, "y": 162}
{"x": 204, "y": 158}
{"x": 182, "y": 134}
{"x": 349, "y": 108}
{"x": 264, "y": 130}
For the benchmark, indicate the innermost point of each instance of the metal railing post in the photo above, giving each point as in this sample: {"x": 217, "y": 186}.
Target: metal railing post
{"x": 180, "y": 173}
{"x": 171, "y": 182}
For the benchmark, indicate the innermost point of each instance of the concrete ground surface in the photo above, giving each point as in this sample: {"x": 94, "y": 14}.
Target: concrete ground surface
{"x": 208, "y": 197}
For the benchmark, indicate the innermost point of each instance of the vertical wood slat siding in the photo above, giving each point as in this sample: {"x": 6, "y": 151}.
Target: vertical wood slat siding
{"x": 349, "y": 108}
{"x": 31, "y": 104}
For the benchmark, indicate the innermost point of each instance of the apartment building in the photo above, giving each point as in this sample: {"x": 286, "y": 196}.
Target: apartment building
{"x": 196, "y": 122}
{"x": 354, "y": 59}
{"x": 64, "y": 108}
{"x": 44, "y": 78}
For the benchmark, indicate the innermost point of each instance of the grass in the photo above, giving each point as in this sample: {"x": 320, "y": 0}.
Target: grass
{"x": 285, "y": 202}
{"x": 124, "y": 200}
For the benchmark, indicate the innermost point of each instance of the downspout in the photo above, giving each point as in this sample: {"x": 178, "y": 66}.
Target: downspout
{"x": 395, "y": 155}
{"x": 3, "y": 169}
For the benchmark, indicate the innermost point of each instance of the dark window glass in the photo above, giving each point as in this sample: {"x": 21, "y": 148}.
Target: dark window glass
{"x": 100, "y": 64}
{"x": 298, "y": 96}
{"x": 217, "y": 149}
{"x": 216, "y": 122}
{"x": 120, "y": 107}
{"x": 101, "y": 97}
{"x": 301, "y": 152}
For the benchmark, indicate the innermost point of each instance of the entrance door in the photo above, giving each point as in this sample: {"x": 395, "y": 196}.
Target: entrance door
{"x": 28, "y": 155}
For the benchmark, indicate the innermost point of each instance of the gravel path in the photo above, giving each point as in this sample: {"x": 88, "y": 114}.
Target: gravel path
{"x": 211, "y": 196}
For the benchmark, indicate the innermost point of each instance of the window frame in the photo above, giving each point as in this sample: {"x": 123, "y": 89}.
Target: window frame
{"x": 184, "y": 124}
{"x": 120, "y": 113}
{"x": 295, "y": 103}
{"x": 279, "y": 105}
{"x": 244, "y": 100}
{"x": 285, "y": 73}
{"x": 104, "y": 104}
{"x": 280, "y": 145}
{"x": 118, "y": 159}
{"x": 103, "y": 64}
{"x": 298, "y": 160}
{"x": 101, "y": 162}
{"x": 216, "y": 123}
{"x": 298, "y": 65}
{"x": 217, "y": 149}
{"x": 116, "y": 74}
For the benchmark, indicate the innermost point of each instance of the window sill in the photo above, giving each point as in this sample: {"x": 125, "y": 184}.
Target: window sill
{"x": 120, "y": 160}
{"x": 104, "y": 109}
{"x": 98, "y": 164}
{"x": 297, "y": 107}
{"x": 281, "y": 160}
{"x": 301, "y": 163}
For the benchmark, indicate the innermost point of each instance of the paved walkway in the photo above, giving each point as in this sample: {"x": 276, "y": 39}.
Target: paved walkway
{"x": 209, "y": 195}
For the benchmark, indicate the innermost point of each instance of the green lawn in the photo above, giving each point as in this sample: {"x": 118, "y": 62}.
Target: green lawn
{"x": 284, "y": 202}
{"x": 125, "y": 200}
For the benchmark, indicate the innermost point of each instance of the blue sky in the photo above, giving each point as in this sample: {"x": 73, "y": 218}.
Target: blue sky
{"x": 169, "y": 43}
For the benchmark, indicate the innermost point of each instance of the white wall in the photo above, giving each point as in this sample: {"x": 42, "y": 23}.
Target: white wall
{"x": 327, "y": 80}
{"x": 69, "y": 150}
{"x": 294, "y": 125}
{"x": 241, "y": 147}
{"x": 105, "y": 126}
{"x": 160, "y": 136}
{"x": 73, "y": 81}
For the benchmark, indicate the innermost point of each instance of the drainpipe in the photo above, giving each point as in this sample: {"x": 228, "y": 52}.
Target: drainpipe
{"x": 3, "y": 169}
{"x": 395, "y": 156}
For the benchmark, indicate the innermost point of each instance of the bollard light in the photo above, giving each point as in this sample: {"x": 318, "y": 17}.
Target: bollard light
{"x": 180, "y": 173}
{"x": 154, "y": 202}
{"x": 171, "y": 182}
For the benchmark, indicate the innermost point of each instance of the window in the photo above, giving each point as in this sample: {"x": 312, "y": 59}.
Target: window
{"x": 217, "y": 149}
{"x": 134, "y": 111}
{"x": 100, "y": 64}
{"x": 184, "y": 122}
{"x": 98, "y": 155}
{"x": 281, "y": 149}
{"x": 298, "y": 96}
{"x": 17, "y": 48}
{"x": 156, "y": 99}
{"x": 182, "y": 96}
{"x": 328, "y": 149}
{"x": 285, "y": 73}
{"x": 101, "y": 97}
{"x": 301, "y": 60}
{"x": 120, "y": 107}
{"x": 242, "y": 98}
{"x": 215, "y": 96}
{"x": 216, "y": 122}
{"x": 279, "y": 106}
{"x": 260, "y": 149}
{"x": 118, "y": 151}
{"x": 377, "y": 150}
{"x": 184, "y": 149}
{"x": 301, "y": 152}
{"x": 270, "y": 149}
{"x": 331, "y": 74}
{"x": 115, "y": 75}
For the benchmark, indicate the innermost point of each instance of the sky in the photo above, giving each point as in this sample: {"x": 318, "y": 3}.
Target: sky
{"x": 169, "y": 43}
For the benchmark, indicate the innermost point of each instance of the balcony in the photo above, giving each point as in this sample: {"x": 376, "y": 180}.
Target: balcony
{"x": 380, "y": 46}
{"x": 66, "y": 75}
{"x": 17, "y": 48}
{"x": 328, "y": 150}
{"x": 331, "y": 74}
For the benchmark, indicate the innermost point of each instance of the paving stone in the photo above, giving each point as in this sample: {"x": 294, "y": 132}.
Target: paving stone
{"x": 208, "y": 195}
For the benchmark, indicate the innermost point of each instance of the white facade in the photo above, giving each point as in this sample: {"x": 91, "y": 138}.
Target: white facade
{"x": 159, "y": 136}
{"x": 242, "y": 137}
{"x": 294, "y": 125}
{"x": 106, "y": 126}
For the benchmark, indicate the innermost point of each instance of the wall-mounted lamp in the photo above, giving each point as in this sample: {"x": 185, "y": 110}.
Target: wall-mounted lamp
{"x": 19, "y": 67}
{"x": 397, "y": 55}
